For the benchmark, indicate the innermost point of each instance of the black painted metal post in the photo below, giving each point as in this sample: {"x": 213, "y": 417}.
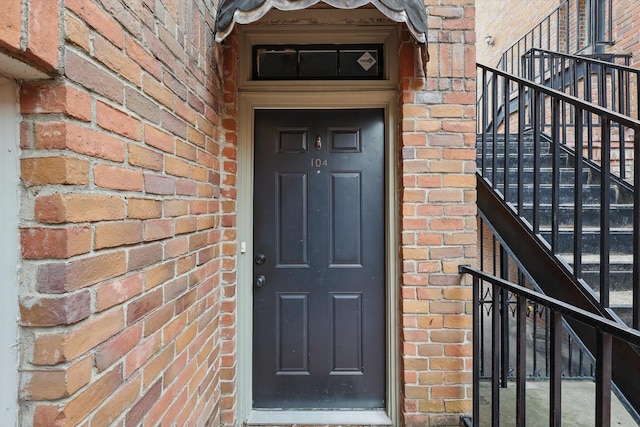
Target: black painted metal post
{"x": 577, "y": 195}
{"x": 603, "y": 379}
{"x": 555, "y": 395}
{"x": 495, "y": 356}
{"x": 636, "y": 230}
{"x": 504, "y": 319}
{"x": 477, "y": 336}
{"x": 605, "y": 202}
{"x": 521, "y": 357}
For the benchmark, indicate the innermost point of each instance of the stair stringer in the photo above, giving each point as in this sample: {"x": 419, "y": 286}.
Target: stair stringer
{"x": 556, "y": 281}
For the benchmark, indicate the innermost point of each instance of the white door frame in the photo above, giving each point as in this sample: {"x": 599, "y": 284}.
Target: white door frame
{"x": 310, "y": 95}
{"x": 9, "y": 251}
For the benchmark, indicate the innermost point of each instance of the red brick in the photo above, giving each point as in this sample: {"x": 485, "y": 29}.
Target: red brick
{"x": 158, "y": 184}
{"x": 77, "y": 207}
{"x": 117, "y": 403}
{"x": 145, "y": 158}
{"x": 83, "y": 71}
{"x": 137, "y": 53}
{"x": 117, "y": 347}
{"x": 66, "y": 309}
{"x": 52, "y": 349}
{"x": 144, "y": 255}
{"x": 141, "y": 353}
{"x": 159, "y": 139}
{"x": 55, "y": 98}
{"x": 118, "y": 291}
{"x": 142, "y": 406}
{"x": 117, "y": 178}
{"x": 44, "y": 25}
{"x": 112, "y": 234}
{"x": 77, "y": 32}
{"x": 67, "y": 276}
{"x": 91, "y": 397}
{"x": 98, "y": 19}
{"x": 82, "y": 140}
{"x": 54, "y": 170}
{"x": 144, "y": 208}
{"x": 143, "y": 305}
{"x": 116, "y": 60}
{"x": 158, "y": 229}
{"x": 55, "y": 384}
{"x": 11, "y": 24}
{"x": 118, "y": 121}
{"x": 42, "y": 243}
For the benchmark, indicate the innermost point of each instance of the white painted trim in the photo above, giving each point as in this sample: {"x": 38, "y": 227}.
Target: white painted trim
{"x": 319, "y": 417}
{"x": 248, "y": 102}
{"x": 319, "y": 34}
{"x": 9, "y": 250}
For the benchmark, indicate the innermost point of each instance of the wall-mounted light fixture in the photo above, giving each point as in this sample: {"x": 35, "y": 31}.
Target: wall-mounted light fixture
{"x": 488, "y": 39}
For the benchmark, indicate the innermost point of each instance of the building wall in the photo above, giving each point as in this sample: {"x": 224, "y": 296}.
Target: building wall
{"x": 506, "y": 21}
{"x": 123, "y": 233}
{"x": 127, "y": 292}
{"x": 438, "y": 217}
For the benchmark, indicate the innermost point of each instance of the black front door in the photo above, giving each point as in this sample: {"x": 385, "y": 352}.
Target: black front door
{"x": 319, "y": 273}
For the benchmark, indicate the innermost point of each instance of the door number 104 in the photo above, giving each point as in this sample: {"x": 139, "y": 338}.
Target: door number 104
{"x": 318, "y": 163}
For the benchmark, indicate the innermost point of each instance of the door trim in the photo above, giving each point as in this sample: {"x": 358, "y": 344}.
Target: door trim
{"x": 248, "y": 102}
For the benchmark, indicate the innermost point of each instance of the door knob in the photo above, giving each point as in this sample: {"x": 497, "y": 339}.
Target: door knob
{"x": 260, "y": 281}
{"x": 260, "y": 259}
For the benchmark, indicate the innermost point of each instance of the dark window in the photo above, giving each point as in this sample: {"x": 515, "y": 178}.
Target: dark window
{"x": 318, "y": 62}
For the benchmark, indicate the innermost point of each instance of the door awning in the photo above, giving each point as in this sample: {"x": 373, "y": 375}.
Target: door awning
{"x": 411, "y": 12}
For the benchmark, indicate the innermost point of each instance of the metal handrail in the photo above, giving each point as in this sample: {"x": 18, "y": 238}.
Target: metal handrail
{"x": 605, "y": 330}
{"x": 541, "y": 108}
{"x": 576, "y": 74}
{"x": 608, "y": 326}
{"x": 554, "y": 32}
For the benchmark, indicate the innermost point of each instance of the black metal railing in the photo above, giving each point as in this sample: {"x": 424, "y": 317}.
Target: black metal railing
{"x": 606, "y": 80}
{"x": 547, "y": 131}
{"x": 577, "y": 362}
{"x": 560, "y": 316}
{"x": 572, "y": 27}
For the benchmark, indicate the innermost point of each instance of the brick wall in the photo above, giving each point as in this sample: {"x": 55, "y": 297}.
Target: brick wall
{"x": 438, "y": 217}
{"x": 126, "y": 212}
{"x": 128, "y": 239}
{"x": 506, "y": 21}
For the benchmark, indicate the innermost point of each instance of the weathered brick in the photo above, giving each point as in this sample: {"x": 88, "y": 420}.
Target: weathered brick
{"x": 146, "y": 303}
{"x": 42, "y": 98}
{"x": 112, "y": 234}
{"x": 60, "y": 208}
{"x": 98, "y": 19}
{"x": 82, "y": 140}
{"x": 65, "y": 309}
{"x": 144, "y": 208}
{"x": 145, "y": 158}
{"x": 142, "y": 406}
{"x": 55, "y": 384}
{"x": 42, "y": 243}
{"x": 54, "y": 348}
{"x": 54, "y": 170}
{"x": 44, "y": 26}
{"x": 117, "y": 403}
{"x": 11, "y": 24}
{"x": 92, "y": 77}
{"x": 118, "y": 291}
{"x": 117, "y": 178}
{"x": 116, "y": 60}
{"x": 118, "y": 121}
{"x": 117, "y": 347}
{"x": 70, "y": 275}
{"x": 145, "y": 255}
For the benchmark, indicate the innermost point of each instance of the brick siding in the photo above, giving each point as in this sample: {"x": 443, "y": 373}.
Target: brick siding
{"x": 128, "y": 214}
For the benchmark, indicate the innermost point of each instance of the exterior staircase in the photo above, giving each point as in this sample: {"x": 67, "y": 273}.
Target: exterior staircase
{"x": 620, "y": 274}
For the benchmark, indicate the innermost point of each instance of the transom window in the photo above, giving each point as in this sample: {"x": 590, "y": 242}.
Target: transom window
{"x": 318, "y": 62}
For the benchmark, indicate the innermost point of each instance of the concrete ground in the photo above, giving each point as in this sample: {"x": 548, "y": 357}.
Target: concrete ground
{"x": 578, "y": 405}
